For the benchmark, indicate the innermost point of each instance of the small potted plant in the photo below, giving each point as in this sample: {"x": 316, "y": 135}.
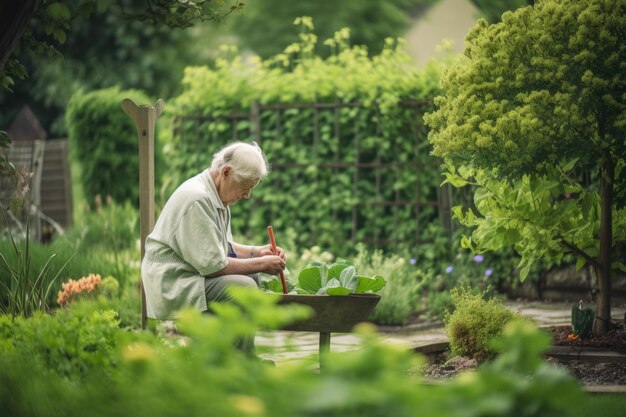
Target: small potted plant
{"x": 582, "y": 320}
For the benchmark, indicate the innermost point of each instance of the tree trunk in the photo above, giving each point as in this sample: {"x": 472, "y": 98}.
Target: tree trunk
{"x": 14, "y": 18}
{"x": 603, "y": 302}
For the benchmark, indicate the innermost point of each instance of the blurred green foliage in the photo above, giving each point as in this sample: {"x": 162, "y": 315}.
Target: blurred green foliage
{"x": 318, "y": 192}
{"x": 492, "y": 10}
{"x": 79, "y": 363}
{"x": 612, "y": 405}
{"x": 488, "y": 272}
{"x": 74, "y": 45}
{"x": 6, "y": 168}
{"x": 402, "y": 293}
{"x": 103, "y": 139}
{"x": 265, "y": 27}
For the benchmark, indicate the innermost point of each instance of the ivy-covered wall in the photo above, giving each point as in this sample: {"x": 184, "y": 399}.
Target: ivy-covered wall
{"x": 351, "y": 162}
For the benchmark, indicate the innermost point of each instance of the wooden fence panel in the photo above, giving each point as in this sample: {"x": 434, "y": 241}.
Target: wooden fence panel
{"x": 56, "y": 190}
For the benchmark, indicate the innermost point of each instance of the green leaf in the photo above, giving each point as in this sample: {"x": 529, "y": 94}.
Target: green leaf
{"x": 457, "y": 212}
{"x": 349, "y": 279}
{"x": 618, "y": 265}
{"x": 310, "y": 279}
{"x": 567, "y": 167}
{"x": 480, "y": 194}
{"x": 59, "y": 11}
{"x": 59, "y": 35}
{"x": 103, "y": 5}
{"x": 334, "y": 287}
{"x": 273, "y": 285}
{"x": 336, "y": 269}
{"x": 373, "y": 284}
{"x": 466, "y": 242}
{"x": 523, "y": 274}
{"x": 338, "y": 291}
{"x": 453, "y": 179}
{"x": 580, "y": 262}
{"x": 86, "y": 8}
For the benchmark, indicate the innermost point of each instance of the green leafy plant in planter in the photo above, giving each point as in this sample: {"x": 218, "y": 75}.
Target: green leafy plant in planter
{"x": 338, "y": 278}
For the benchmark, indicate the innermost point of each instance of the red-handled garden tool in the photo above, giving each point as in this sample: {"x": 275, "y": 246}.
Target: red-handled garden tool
{"x": 270, "y": 231}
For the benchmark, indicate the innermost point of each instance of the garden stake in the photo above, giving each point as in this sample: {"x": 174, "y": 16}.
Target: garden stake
{"x": 270, "y": 231}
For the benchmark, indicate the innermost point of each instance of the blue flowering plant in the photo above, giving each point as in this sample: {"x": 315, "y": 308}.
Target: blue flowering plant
{"x": 477, "y": 271}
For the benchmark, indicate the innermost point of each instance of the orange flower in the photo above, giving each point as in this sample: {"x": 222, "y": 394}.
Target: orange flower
{"x": 73, "y": 288}
{"x": 572, "y": 337}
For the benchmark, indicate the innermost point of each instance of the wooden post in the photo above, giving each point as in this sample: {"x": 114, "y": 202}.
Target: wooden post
{"x": 39, "y": 147}
{"x": 324, "y": 348}
{"x": 255, "y": 122}
{"x": 145, "y": 117}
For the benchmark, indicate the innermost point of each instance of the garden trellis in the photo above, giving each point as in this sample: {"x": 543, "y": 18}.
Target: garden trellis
{"x": 341, "y": 172}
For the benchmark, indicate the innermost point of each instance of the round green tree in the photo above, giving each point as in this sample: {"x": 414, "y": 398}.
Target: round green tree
{"x": 535, "y": 117}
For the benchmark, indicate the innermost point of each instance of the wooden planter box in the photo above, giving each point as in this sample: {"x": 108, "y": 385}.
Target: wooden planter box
{"x": 339, "y": 313}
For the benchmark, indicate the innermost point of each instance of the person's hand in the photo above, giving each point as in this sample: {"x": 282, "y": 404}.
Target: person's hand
{"x": 273, "y": 265}
{"x": 267, "y": 250}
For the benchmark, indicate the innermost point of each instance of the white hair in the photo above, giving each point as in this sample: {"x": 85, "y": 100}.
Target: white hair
{"x": 247, "y": 161}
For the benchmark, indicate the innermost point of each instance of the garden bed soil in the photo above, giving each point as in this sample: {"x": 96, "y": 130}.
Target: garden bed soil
{"x": 588, "y": 373}
{"x": 613, "y": 340}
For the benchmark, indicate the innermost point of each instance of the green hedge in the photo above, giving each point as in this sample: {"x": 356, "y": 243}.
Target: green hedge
{"x": 104, "y": 141}
{"x": 315, "y": 187}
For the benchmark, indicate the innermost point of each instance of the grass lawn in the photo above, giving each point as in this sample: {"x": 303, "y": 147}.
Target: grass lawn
{"x": 607, "y": 405}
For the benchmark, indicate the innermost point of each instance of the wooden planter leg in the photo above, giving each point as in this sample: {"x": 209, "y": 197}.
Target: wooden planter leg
{"x": 324, "y": 347}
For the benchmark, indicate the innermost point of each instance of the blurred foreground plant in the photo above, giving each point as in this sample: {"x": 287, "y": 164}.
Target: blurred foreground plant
{"x": 80, "y": 363}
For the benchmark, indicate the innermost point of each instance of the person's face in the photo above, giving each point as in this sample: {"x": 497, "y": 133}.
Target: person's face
{"x": 233, "y": 190}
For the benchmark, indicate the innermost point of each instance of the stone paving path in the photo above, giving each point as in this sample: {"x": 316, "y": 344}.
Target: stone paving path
{"x": 288, "y": 346}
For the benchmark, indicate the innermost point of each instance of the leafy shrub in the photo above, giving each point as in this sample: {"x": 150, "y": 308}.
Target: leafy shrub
{"x": 103, "y": 139}
{"x": 474, "y": 322}
{"x": 72, "y": 343}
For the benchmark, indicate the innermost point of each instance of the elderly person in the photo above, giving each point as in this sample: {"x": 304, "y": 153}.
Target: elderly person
{"x": 191, "y": 257}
